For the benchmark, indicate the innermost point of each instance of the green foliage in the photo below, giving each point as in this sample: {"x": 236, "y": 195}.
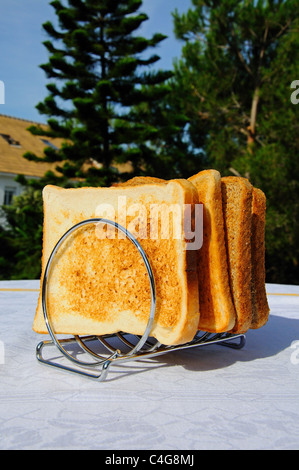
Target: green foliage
{"x": 226, "y": 105}
{"x": 21, "y": 237}
{"x": 98, "y": 71}
{"x": 232, "y": 81}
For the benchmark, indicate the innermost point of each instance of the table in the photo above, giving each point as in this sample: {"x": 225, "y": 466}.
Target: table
{"x": 210, "y": 397}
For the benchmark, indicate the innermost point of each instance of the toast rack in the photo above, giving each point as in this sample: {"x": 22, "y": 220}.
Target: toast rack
{"x": 92, "y": 355}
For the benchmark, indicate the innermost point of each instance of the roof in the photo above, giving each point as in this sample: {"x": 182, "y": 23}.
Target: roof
{"x": 17, "y": 140}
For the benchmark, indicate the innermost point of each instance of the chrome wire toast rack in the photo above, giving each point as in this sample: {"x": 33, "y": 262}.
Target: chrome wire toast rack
{"x": 92, "y": 355}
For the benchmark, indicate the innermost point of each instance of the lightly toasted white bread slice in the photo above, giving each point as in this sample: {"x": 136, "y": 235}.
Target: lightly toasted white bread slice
{"x": 260, "y": 307}
{"x": 217, "y": 312}
{"x": 99, "y": 284}
{"x": 237, "y": 201}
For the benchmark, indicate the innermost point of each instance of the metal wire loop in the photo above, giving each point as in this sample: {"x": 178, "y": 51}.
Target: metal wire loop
{"x": 143, "y": 338}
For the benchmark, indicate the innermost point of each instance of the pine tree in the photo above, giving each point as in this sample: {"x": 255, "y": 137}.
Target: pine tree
{"x": 233, "y": 81}
{"x": 99, "y": 70}
{"x": 172, "y": 155}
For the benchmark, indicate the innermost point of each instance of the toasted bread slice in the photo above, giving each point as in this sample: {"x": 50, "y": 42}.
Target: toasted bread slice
{"x": 140, "y": 180}
{"x": 217, "y": 312}
{"x": 98, "y": 283}
{"x": 237, "y": 200}
{"x": 260, "y": 307}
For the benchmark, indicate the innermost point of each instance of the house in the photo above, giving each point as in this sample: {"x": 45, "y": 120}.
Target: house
{"x": 15, "y": 140}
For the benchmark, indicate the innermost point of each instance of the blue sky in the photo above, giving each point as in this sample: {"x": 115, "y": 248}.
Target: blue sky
{"x": 22, "y": 51}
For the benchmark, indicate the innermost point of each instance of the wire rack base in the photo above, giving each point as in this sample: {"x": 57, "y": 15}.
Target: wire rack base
{"x": 92, "y": 356}
{"x": 96, "y": 346}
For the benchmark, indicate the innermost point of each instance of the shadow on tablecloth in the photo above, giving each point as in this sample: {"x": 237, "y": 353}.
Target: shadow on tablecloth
{"x": 270, "y": 340}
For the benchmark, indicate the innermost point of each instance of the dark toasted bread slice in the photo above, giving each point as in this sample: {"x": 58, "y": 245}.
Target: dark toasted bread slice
{"x": 260, "y": 307}
{"x": 237, "y": 200}
{"x": 217, "y": 312}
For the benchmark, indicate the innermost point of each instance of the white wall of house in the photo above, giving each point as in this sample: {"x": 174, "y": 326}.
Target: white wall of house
{"x": 9, "y": 185}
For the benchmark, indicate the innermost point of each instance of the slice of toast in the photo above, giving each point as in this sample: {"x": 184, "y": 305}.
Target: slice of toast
{"x": 98, "y": 283}
{"x": 217, "y": 312}
{"x": 260, "y": 307}
{"x": 237, "y": 200}
{"x": 136, "y": 180}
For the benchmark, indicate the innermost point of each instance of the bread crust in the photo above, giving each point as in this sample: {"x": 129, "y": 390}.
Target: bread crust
{"x": 260, "y": 307}
{"x": 237, "y": 201}
{"x": 140, "y": 180}
{"x": 217, "y": 312}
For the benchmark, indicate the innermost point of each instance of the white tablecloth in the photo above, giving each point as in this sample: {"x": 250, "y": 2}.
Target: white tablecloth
{"x": 210, "y": 397}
